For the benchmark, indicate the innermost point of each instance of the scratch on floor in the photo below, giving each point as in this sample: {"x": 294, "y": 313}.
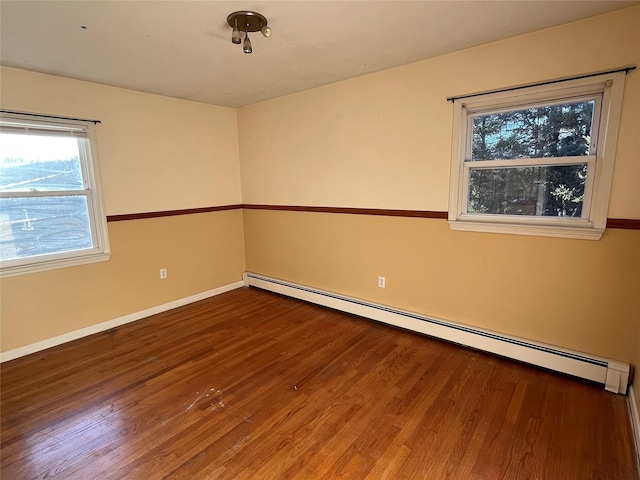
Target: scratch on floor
{"x": 203, "y": 395}
{"x": 236, "y": 446}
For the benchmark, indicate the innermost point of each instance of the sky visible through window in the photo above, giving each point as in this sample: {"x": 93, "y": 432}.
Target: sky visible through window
{"x": 22, "y": 148}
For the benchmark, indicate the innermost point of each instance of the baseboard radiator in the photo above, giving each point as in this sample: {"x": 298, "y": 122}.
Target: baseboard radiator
{"x": 613, "y": 375}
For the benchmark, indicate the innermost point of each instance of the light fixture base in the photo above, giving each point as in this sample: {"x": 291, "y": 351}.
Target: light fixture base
{"x": 248, "y": 21}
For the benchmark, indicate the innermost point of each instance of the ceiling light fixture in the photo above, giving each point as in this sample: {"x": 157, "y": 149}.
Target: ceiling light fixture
{"x": 247, "y": 21}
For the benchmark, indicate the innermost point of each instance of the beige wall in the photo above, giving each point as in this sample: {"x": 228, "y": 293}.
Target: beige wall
{"x": 384, "y": 141}
{"x": 155, "y": 153}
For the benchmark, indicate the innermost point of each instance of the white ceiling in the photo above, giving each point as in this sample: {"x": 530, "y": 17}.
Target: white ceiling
{"x": 183, "y": 48}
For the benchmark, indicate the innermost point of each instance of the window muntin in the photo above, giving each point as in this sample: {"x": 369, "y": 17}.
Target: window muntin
{"x": 50, "y": 205}
{"x": 536, "y": 160}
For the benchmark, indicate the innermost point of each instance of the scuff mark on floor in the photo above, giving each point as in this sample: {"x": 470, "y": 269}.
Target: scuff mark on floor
{"x": 203, "y": 395}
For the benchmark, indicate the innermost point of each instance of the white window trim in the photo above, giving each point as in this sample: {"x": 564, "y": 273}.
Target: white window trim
{"x": 98, "y": 220}
{"x": 592, "y": 226}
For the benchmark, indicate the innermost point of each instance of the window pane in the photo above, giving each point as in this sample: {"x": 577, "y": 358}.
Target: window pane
{"x": 43, "y": 225}
{"x": 39, "y": 163}
{"x": 537, "y": 132}
{"x": 552, "y": 191}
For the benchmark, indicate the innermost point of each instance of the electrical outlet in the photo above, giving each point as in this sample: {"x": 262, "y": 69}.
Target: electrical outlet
{"x": 381, "y": 281}
{"x": 163, "y": 273}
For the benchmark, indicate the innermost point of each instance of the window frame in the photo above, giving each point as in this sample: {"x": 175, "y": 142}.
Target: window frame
{"x": 600, "y": 163}
{"x": 91, "y": 190}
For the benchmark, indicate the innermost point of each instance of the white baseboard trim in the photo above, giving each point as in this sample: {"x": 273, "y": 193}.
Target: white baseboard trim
{"x": 612, "y": 374}
{"x": 100, "y": 327}
{"x": 635, "y": 422}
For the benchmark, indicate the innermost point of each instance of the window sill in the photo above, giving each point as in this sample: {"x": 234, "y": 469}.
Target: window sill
{"x": 13, "y": 270}
{"x": 577, "y": 232}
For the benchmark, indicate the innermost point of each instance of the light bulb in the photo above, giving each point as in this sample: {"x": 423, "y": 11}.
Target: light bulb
{"x": 235, "y": 36}
{"x": 266, "y": 31}
{"x": 246, "y": 47}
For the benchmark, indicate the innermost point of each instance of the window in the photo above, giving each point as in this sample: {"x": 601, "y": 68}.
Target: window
{"x": 51, "y": 212}
{"x": 536, "y": 160}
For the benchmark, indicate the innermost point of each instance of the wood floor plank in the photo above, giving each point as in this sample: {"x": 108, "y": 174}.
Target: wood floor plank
{"x": 253, "y": 385}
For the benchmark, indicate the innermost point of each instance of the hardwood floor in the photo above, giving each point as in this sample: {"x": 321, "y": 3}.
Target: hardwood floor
{"x": 249, "y": 384}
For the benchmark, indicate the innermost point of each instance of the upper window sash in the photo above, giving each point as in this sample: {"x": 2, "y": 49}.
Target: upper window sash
{"x": 20, "y": 125}
{"x": 539, "y": 95}
{"x": 516, "y": 106}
